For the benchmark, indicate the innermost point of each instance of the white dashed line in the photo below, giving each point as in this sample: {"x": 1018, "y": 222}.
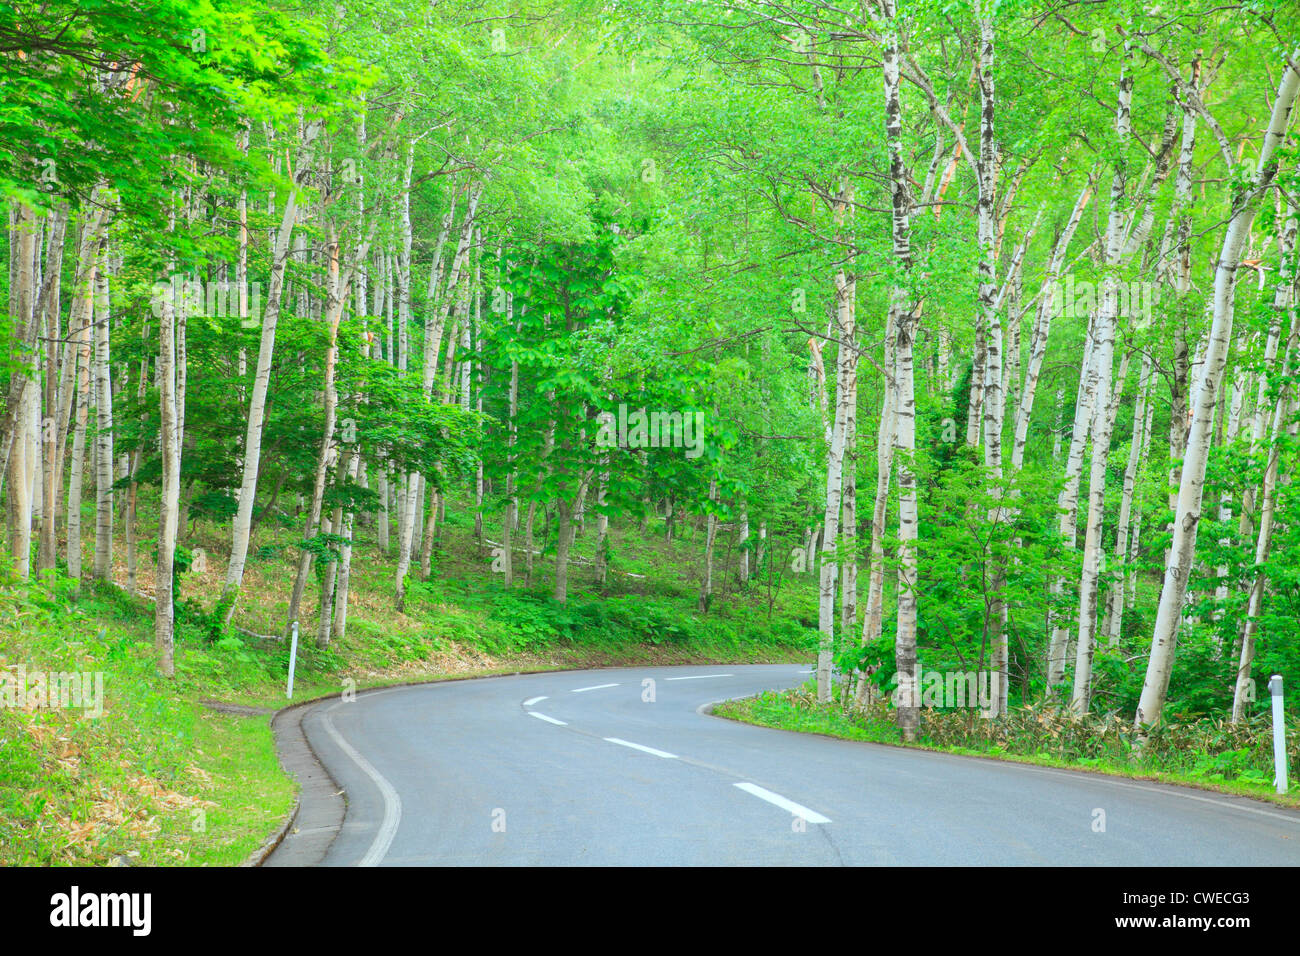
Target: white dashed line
{"x": 812, "y": 816}
{"x": 649, "y": 750}
{"x": 532, "y": 700}
{"x": 699, "y": 677}
{"x": 579, "y": 690}
{"x": 549, "y": 720}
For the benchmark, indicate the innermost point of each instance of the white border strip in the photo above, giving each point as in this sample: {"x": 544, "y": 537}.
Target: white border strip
{"x": 650, "y": 750}
{"x": 812, "y": 816}
{"x": 392, "y": 802}
{"x": 549, "y": 720}
{"x": 700, "y": 677}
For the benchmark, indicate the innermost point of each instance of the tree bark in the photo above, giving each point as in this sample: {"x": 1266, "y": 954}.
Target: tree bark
{"x": 1102, "y": 421}
{"x": 103, "y": 567}
{"x": 169, "y": 439}
{"x": 1205, "y": 394}
{"x": 908, "y": 699}
{"x": 243, "y": 521}
{"x": 336, "y": 296}
{"x": 846, "y": 371}
{"x": 57, "y": 393}
{"x": 1042, "y": 327}
{"x": 1242, "y": 688}
{"x": 1115, "y": 596}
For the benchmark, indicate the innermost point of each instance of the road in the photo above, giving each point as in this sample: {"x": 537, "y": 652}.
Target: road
{"x": 621, "y": 767}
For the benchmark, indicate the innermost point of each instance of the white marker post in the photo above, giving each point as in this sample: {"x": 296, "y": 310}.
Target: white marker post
{"x": 1279, "y": 733}
{"x": 293, "y": 658}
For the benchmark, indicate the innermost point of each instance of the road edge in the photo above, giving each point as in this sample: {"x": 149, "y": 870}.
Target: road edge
{"x": 319, "y": 806}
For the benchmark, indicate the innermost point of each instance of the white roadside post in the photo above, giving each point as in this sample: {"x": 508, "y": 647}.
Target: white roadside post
{"x": 293, "y": 658}
{"x": 1279, "y": 733}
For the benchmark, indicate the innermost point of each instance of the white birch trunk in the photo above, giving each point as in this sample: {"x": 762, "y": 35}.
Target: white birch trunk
{"x": 243, "y": 521}
{"x": 1115, "y": 596}
{"x": 845, "y": 289}
{"x": 103, "y": 567}
{"x": 1242, "y": 690}
{"x": 710, "y": 537}
{"x": 1205, "y": 393}
{"x": 1102, "y": 421}
{"x": 1042, "y": 327}
{"x": 908, "y": 699}
{"x": 164, "y": 606}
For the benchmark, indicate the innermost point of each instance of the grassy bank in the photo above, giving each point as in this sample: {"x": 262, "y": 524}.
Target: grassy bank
{"x": 1209, "y": 754}
{"x": 161, "y": 778}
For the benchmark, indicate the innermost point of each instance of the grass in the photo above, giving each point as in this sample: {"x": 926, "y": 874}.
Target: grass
{"x": 157, "y": 779}
{"x": 1242, "y": 771}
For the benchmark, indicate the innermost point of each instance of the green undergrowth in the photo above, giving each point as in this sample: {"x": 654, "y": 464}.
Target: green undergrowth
{"x": 154, "y": 778}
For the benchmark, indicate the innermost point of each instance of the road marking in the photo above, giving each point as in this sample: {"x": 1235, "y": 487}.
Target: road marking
{"x": 649, "y": 750}
{"x": 812, "y": 816}
{"x": 699, "y": 677}
{"x": 580, "y": 690}
{"x": 549, "y": 720}
{"x": 532, "y": 700}
{"x": 392, "y": 802}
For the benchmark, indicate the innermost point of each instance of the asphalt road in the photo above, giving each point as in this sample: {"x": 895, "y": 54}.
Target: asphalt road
{"x": 603, "y": 768}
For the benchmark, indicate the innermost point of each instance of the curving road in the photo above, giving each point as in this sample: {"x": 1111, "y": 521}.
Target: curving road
{"x": 604, "y": 768}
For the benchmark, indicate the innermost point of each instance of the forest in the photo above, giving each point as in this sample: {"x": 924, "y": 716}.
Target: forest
{"x": 920, "y": 337}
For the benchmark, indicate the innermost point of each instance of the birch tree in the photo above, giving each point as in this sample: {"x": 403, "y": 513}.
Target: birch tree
{"x": 1204, "y": 397}
{"x": 242, "y": 526}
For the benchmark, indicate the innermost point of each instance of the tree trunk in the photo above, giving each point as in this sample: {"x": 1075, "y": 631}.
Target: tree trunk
{"x": 23, "y": 385}
{"x": 1115, "y": 596}
{"x": 908, "y": 699}
{"x": 846, "y": 370}
{"x": 243, "y": 522}
{"x": 743, "y": 541}
{"x": 103, "y": 568}
{"x": 336, "y": 296}
{"x": 849, "y": 524}
{"x": 169, "y": 439}
{"x": 57, "y": 392}
{"x": 710, "y": 537}
{"x": 1101, "y": 418}
{"x": 1242, "y": 688}
{"x": 994, "y": 393}
{"x": 81, "y": 364}
{"x": 1204, "y": 397}
{"x": 345, "y": 564}
{"x": 562, "y": 541}
{"x": 1068, "y": 499}
{"x": 1042, "y": 326}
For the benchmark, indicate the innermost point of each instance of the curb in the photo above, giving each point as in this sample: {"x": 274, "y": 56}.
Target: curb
{"x": 319, "y": 806}
{"x": 258, "y": 856}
